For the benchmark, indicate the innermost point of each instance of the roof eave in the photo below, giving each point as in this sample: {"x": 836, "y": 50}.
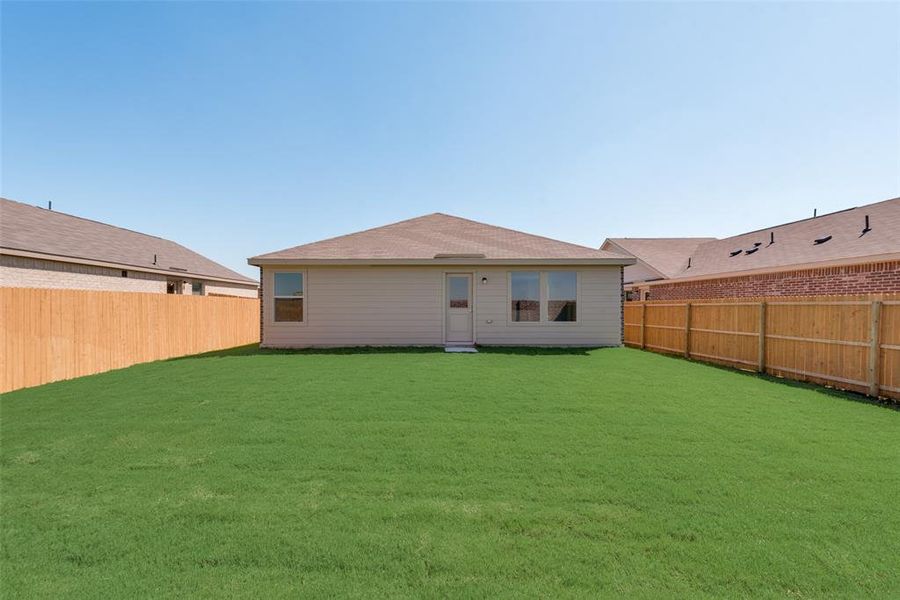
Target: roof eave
{"x": 124, "y": 266}
{"x": 260, "y": 261}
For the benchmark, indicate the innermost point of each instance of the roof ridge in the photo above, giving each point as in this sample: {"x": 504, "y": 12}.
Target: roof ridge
{"x": 337, "y": 237}
{"x": 519, "y": 231}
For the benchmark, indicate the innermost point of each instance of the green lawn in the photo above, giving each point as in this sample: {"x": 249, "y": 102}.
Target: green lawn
{"x": 419, "y": 473}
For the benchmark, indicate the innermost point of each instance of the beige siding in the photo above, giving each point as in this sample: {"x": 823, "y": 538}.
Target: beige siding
{"x": 404, "y": 306}
{"x": 599, "y": 318}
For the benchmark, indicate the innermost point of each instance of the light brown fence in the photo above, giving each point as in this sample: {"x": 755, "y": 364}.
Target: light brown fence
{"x": 849, "y": 342}
{"x": 48, "y": 335}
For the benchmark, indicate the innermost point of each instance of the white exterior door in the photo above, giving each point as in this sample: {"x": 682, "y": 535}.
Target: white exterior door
{"x": 458, "y": 308}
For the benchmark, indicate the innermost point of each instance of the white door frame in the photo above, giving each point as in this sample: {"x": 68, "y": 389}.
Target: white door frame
{"x": 446, "y": 303}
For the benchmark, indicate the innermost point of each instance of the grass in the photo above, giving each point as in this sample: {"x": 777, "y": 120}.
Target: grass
{"x": 418, "y": 473}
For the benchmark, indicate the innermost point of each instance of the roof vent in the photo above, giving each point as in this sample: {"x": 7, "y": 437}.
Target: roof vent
{"x": 735, "y": 252}
{"x": 866, "y": 229}
{"x": 757, "y": 244}
{"x": 751, "y": 250}
{"x": 689, "y": 262}
{"x": 821, "y": 240}
{"x": 178, "y": 269}
{"x": 771, "y": 238}
{"x": 460, "y": 255}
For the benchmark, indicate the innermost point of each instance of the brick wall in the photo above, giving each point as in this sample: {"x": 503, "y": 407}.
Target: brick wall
{"x": 882, "y": 277}
{"x": 261, "y": 338}
{"x": 20, "y": 271}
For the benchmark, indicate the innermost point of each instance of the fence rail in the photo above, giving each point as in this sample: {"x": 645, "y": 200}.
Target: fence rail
{"x": 54, "y": 334}
{"x": 850, "y": 342}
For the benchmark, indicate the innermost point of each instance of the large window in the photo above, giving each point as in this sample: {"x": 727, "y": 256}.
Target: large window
{"x": 525, "y": 295}
{"x": 562, "y": 293}
{"x": 197, "y": 288}
{"x": 288, "y": 297}
{"x": 543, "y": 296}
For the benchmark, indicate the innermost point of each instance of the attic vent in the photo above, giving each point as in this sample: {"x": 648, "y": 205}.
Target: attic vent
{"x": 178, "y": 269}
{"x": 460, "y": 255}
{"x": 821, "y": 240}
{"x": 866, "y": 229}
{"x": 751, "y": 250}
{"x": 689, "y": 262}
{"x": 757, "y": 244}
{"x": 735, "y": 252}
{"x": 771, "y": 238}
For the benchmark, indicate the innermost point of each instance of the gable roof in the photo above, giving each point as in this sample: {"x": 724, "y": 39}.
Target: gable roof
{"x": 666, "y": 256}
{"x": 443, "y": 238}
{"x": 38, "y": 231}
{"x": 794, "y": 243}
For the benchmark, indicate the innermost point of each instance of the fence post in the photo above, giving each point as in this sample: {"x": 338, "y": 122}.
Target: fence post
{"x": 875, "y": 348}
{"x": 643, "y": 322}
{"x": 687, "y": 330}
{"x": 761, "y": 358}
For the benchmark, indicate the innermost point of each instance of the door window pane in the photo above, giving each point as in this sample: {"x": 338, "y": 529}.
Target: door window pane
{"x": 525, "y": 294}
{"x": 458, "y": 290}
{"x": 562, "y": 289}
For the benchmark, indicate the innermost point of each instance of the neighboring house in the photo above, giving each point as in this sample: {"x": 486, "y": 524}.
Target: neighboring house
{"x": 657, "y": 258}
{"x": 438, "y": 280}
{"x": 853, "y": 251}
{"x": 41, "y": 248}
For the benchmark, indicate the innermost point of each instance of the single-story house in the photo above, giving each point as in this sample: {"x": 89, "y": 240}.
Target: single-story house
{"x": 440, "y": 280}
{"x": 42, "y": 248}
{"x": 657, "y": 258}
{"x": 853, "y": 251}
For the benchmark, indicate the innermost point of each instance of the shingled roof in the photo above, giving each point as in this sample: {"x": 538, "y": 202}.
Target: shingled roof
{"x": 38, "y": 231}
{"x": 840, "y": 240}
{"x": 440, "y": 237}
{"x": 666, "y": 256}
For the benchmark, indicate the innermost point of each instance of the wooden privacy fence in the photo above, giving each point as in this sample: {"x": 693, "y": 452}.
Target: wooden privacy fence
{"x": 50, "y": 334}
{"x": 850, "y": 342}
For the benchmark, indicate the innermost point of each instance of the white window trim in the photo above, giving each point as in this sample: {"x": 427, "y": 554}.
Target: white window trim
{"x": 544, "y": 299}
{"x": 305, "y": 296}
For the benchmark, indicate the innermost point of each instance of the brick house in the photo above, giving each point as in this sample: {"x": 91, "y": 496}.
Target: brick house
{"x": 853, "y": 251}
{"x": 41, "y": 248}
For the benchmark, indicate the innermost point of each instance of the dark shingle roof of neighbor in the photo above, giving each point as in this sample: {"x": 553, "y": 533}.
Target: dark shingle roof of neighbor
{"x": 440, "y": 236}
{"x": 31, "y": 229}
{"x": 794, "y": 244}
{"x": 668, "y": 256}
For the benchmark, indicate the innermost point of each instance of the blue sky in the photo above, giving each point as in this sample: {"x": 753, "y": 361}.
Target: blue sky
{"x": 242, "y": 128}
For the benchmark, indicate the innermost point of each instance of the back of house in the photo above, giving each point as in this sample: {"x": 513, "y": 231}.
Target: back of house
{"x": 441, "y": 280}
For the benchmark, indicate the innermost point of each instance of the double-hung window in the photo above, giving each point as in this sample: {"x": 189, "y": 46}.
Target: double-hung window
{"x": 288, "y": 297}
{"x": 543, "y": 296}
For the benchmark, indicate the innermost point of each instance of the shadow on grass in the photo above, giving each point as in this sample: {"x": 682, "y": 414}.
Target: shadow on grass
{"x": 803, "y": 385}
{"x": 255, "y": 350}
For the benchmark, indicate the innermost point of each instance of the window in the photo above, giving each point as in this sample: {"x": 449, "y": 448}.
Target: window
{"x": 173, "y": 287}
{"x": 289, "y": 297}
{"x": 562, "y": 291}
{"x": 525, "y": 295}
{"x": 543, "y": 296}
{"x": 458, "y": 291}
{"x": 197, "y": 288}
